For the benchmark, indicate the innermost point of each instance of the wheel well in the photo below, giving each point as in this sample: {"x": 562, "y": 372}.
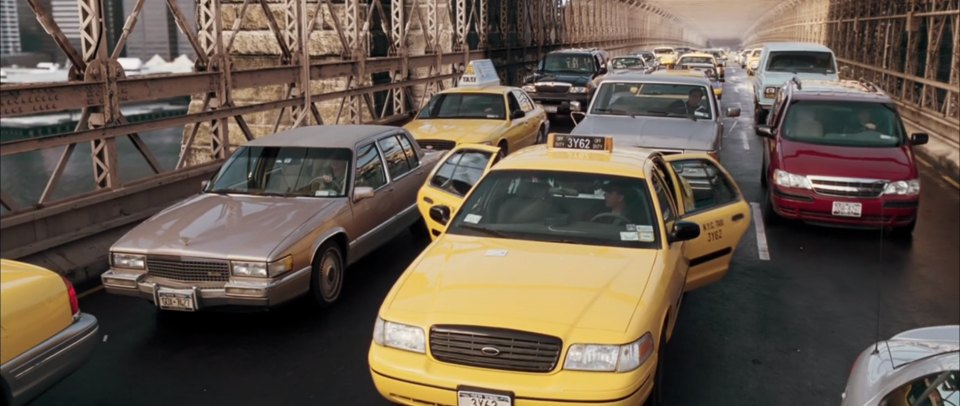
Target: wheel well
{"x": 340, "y": 239}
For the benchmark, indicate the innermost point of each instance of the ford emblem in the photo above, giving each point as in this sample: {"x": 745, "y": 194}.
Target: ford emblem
{"x": 490, "y": 351}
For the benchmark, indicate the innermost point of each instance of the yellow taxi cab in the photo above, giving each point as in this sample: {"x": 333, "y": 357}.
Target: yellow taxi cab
{"x": 480, "y": 111}
{"x": 452, "y": 178}
{"x": 559, "y": 279}
{"x": 44, "y": 335}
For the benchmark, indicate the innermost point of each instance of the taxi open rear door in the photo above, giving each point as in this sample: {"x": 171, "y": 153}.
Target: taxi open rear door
{"x": 451, "y": 180}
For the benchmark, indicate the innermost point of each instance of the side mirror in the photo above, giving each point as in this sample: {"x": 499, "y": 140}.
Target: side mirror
{"x": 517, "y": 114}
{"x": 440, "y": 214}
{"x": 684, "y": 231}
{"x": 765, "y": 131}
{"x": 919, "y": 138}
{"x": 733, "y": 112}
{"x": 204, "y": 184}
{"x": 362, "y": 193}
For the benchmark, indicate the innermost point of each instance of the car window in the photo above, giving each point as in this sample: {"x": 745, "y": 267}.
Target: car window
{"x": 704, "y": 184}
{"x": 408, "y": 149}
{"x": 512, "y": 102}
{"x": 557, "y": 206}
{"x": 843, "y": 123}
{"x": 938, "y": 389}
{"x": 465, "y": 105}
{"x": 397, "y": 162}
{"x": 284, "y": 171}
{"x": 667, "y": 205}
{"x": 800, "y": 62}
{"x": 653, "y": 99}
{"x": 460, "y": 171}
{"x": 370, "y": 167}
{"x": 525, "y": 103}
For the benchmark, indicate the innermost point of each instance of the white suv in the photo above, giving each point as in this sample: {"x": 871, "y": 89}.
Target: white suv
{"x": 782, "y": 61}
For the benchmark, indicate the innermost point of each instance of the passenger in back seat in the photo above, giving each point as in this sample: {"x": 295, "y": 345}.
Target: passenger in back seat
{"x": 531, "y": 204}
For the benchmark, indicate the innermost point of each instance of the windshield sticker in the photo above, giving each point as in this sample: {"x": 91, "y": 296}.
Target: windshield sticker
{"x": 472, "y": 218}
{"x": 497, "y": 253}
{"x": 645, "y": 229}
{"x": 646, "y": 236}
{"x": 629, "y": 236}
{"x": 631, "y": 227}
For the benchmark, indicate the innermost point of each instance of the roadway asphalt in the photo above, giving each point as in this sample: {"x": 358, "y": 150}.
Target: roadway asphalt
{"x": 783, "y": 331}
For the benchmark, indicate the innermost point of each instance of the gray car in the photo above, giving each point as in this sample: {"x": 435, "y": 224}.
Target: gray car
{"x": 916, "y": 367}
{"x": 284, "y": 217}
{"x": 657, "y": 111}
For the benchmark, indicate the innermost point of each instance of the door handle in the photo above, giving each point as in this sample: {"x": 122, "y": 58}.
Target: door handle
{"x": 737, "y": 217}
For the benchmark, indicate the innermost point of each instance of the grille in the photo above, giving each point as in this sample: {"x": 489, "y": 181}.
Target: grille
{"x": 195, "y": 270}
{"x": 514, "y": 350}
{"x": 553, "y": 88}
{"x": 436, "y": 144}
{"x": 847, "y": 187}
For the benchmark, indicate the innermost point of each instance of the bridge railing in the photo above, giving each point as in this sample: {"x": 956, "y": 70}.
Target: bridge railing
{"x": 427, "y": 44}
{"x": 907, "y": 47}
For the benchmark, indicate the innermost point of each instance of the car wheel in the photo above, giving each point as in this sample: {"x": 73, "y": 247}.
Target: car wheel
{"x": 763, "y": 176}
{"x": 759, "y": 118}
{"x": 656, "y": 395}
{"x": 504, "y": 149}
{"x": 902, "y": 232}
{"x": 770, "y": 216}
{"x": 541, "y": 135}
{"x": 326, "y": 282}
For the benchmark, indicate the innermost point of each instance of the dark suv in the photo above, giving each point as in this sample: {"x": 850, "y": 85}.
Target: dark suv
{"x": 836, "y": 153}
{"x": 564, "y": 80}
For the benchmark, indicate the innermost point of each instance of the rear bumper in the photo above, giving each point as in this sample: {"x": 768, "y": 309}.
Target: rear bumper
{"x": 813, "y": 208}
{"x": 34, "y": 371}
{"x": 234, "y": 293}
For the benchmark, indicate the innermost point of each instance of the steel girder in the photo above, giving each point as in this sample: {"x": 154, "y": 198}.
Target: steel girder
{"x": 904, "y": 46}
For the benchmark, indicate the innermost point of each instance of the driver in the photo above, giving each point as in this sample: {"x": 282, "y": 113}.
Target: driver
{"x": 694, "y": 98}
{"x": 864, "y": 123}
{"x": 332, "y": 176}
{"x": 617, "y": 198}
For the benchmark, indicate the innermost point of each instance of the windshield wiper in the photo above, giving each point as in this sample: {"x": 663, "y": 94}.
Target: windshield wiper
{"x": 482, "y": 229}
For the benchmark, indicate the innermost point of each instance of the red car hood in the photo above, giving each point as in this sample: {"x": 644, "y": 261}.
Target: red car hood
{"x": 892, "y": 163}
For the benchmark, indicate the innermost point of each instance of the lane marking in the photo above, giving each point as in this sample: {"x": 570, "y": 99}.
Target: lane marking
{"x": 90, "y": 292}
{"x": 762, "y": 250}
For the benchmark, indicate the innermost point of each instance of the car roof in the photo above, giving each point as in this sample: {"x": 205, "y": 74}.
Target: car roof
{"x": 839, "y": 89}
{"x": 795, "y": 46}
{"x": 577, "y": 51}
{"x": 495, "y": 89}
{"x": 697, "y": 55}
{"x": 327, "y": 136}
{"x": 624, "y": 161}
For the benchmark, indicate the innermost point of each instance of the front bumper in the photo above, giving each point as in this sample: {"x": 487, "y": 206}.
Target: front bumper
{"x": 805, "y": 205}
{"x": 31, "y": 373}
{"x": 561, "y": 101}
{"x": 266, "y": 293}
{"x": 417, "y": 379}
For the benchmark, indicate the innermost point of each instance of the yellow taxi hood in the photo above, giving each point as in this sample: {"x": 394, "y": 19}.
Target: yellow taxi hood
{"x": 457, "y": 130}
{"x": 551, "y": 288}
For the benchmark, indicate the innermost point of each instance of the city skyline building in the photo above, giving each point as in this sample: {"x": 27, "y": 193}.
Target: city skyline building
{"x": 9, "y": 28}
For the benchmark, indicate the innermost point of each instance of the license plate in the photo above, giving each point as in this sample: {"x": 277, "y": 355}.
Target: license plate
{"x": 483, "y": 398}
{"x": 184, "y": 300}
{"x": 550, "y": 109}
{"x": 847, "y": 209}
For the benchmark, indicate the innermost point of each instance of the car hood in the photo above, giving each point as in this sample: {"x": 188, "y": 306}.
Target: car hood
{"x": 457, "y": 130}
{"x": 571, "y": 78}
{"x": 551, "y": 288}
{"x": 892, "y": 163}
{"x": 223, "y": 226}
{"x": 672, "y": 133}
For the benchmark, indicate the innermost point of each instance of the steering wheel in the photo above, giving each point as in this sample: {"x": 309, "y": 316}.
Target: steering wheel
{"x": 618, "y": 219}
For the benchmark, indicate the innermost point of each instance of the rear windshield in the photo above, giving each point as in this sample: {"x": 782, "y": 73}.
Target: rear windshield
{"x": 854, "y": 124}
{"x": 465, "y": 105}
{"x": 663, "y": 51}
{"x": 626, "y": 63}
{"x": 800, "y": 62}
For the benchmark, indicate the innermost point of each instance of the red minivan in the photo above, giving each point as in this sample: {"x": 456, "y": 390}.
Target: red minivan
{"x": 836, "y": 153}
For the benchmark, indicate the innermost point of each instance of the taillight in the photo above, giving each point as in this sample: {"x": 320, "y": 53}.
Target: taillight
{"x": 72, "y": 293}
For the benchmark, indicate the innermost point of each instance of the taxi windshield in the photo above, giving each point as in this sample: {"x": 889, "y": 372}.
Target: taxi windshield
{"x": 800, "y": 62}
{"x": 465, "y": 105}
{"x": 285, "y": 171}
{"x": 855, "y": 124}
{"x": 566, "y": 207}
{"x": 652, "y": 99}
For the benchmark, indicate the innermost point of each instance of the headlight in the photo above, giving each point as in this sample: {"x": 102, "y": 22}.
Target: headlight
{"x": 787, "y": 179}
{"x": 770, "y": 92}
{"x": 903, "y": 188}
{"x": 529, "y": 88}
{"x": 399, "y": 336}
{"x": 578, "y": 89}
{"x": 129, "y": 261}
{"x": 261, "y": 269}
{"x": 609, "y": 358}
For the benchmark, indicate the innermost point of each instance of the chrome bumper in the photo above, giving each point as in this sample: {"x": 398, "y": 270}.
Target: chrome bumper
{"x": 34, "y": 371}
{"x": 233, "y": 293}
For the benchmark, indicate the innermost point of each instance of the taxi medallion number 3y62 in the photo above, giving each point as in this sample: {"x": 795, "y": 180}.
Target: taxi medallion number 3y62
{"x": 470, "y": 398}
{"x": 579, "y": 142}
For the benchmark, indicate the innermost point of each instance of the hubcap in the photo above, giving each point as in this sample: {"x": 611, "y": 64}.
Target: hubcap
{"x": 330, "y": 275}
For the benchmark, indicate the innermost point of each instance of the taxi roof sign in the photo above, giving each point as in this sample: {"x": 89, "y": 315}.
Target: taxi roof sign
{"x": 479, "y": 73}
{"x": 580, "y": 142}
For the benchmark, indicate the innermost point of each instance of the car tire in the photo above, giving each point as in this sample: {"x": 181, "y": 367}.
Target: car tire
{"x": 656, "y": 395}
{"x": 326, "y": 281}
{"x": 769, "y": 214}
{"x": 541, "y": 135}
{"x": 902, "y": 233}
{"x": 504, "y": 148}
{"x": 759, "y": 116}
{"x": 763, "y": 176}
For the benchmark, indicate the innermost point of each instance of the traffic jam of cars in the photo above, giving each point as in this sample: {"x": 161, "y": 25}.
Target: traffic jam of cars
{"x": 514, "y": 212}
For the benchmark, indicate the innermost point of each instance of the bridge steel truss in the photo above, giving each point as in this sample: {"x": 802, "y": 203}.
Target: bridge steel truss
{"x": 910, "y": 48}
{"x": 514, "y": 33}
